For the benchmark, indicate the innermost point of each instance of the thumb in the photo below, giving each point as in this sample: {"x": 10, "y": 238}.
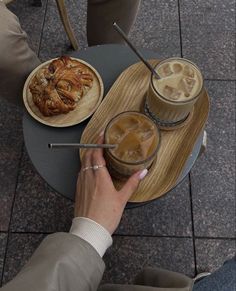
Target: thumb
{"x": 132, "y": 184}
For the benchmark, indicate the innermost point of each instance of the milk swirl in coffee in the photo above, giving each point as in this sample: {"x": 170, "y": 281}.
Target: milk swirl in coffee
{"x": 135, "y": 136}
{"x": 179, "y": 81}
{"x": 137, "y": 139}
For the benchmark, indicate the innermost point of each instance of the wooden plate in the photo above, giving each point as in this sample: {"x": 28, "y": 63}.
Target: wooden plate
{"x": 128, "y": 93}
{"x": 86, "y": 106}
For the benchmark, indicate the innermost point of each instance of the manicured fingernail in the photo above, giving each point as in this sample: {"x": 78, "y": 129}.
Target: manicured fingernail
{"x": 101, "y": 133}
{"x": 143, "y": 174}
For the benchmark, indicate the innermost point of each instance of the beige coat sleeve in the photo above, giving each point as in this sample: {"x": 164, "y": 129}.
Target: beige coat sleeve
{"x": 63, "y": 262}
{"x": 17, "y": 59}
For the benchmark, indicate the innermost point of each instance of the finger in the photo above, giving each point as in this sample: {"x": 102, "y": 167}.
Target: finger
{"x": 87, "y": 158}
{"x": 86, "y": 163}
{"x": 132, "y": 184}
{"x": 97, "y": 155}
{"x": 102, "y": 175}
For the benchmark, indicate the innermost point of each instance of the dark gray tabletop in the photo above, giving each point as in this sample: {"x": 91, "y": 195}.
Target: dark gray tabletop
{"x": 59, "y": 168}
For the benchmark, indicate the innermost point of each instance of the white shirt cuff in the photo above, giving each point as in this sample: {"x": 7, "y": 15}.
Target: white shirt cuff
{"x": 92, "y": 232}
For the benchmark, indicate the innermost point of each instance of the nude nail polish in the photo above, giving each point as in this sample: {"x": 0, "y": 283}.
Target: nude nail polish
{"x": 143, "y": 174}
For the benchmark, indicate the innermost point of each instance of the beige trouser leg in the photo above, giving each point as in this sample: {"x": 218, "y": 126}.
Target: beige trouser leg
{"x": 17, "y": 60}
{"x": 154, "y": 279}
{"x": 102, "y": 14}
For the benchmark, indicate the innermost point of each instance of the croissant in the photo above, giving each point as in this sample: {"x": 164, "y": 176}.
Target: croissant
{"x": 57, "y": 88}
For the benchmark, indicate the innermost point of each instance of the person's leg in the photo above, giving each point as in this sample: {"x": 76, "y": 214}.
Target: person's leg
{"x": 151, "y": 279}
{"x": 224, "y": 279}
{"x": 102, "y": 13}
{"x": 162, "y": 278}
{"x": 17, "y": 60}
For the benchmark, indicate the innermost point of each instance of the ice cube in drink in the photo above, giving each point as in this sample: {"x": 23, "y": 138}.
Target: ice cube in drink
{"x": 137, "y": 138}
{"x": 171, "y": 98}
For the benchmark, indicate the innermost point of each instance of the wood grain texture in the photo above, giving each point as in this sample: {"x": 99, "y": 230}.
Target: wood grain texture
{"x": 86, "y": 106}
{"x": 127, "y": 93}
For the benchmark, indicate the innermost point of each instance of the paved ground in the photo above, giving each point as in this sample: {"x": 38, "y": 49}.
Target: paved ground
{"x": 193, "y": 227}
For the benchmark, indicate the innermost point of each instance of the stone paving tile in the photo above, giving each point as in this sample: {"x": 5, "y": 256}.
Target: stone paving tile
{"x": 38, "y": 208}
{"x": 213, "y": 176}
{"x": 208, "y": 36}
{"x": 55, "y": 41}
{"x": 3, "y": 241}
{"x": 212, "y": 253}
{"x": 31, "y": 19}
{"x": 11, "y": 141}
{"x": 129, "y": 255}
{"x": 168, "y": 215}
{"x": 20, "y": 249}
{"x": 157, "y": 27}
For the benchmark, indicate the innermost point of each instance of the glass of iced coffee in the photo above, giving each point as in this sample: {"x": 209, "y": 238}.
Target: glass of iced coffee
{"x": 171, "y": 98}
{"x": 137, "y": 138}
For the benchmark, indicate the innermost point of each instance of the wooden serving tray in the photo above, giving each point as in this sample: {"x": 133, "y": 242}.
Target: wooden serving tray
{"x": 128, "y": 93}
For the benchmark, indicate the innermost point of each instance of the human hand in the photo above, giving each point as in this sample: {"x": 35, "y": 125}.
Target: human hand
{"x": 96, "y": 196}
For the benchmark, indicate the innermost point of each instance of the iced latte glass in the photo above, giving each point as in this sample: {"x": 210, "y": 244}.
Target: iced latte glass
{"x": 171, "y": 98}
{"x": 137, "y": 138}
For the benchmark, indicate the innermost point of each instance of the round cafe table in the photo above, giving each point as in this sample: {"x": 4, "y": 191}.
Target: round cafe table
{"x": 59, "y": 168}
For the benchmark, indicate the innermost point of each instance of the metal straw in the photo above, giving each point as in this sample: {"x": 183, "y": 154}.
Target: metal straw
{"x": 121, "y": 32}
{"x": 81, "y": 145}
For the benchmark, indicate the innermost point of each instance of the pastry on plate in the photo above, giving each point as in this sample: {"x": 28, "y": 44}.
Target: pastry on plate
{"x": 59, "y": 86}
